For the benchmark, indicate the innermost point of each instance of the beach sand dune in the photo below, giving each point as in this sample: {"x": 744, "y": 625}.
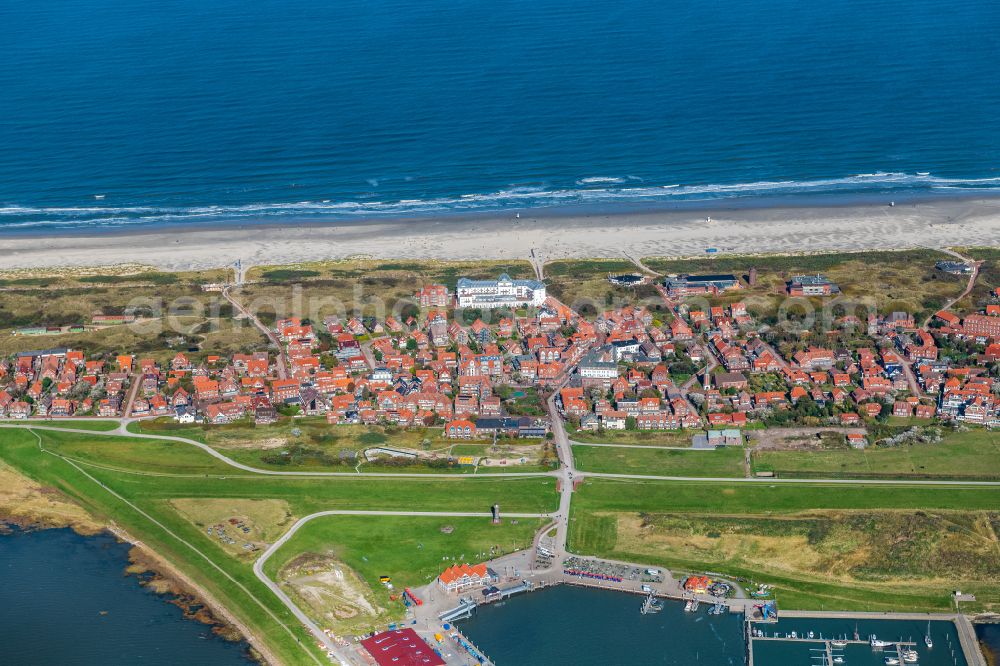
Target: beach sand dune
{"x": 946, "y": 223}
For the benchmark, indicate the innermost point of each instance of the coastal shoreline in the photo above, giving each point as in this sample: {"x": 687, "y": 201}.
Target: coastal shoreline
{"x": 27, "y": 506}
{"x": 666, "y": 233}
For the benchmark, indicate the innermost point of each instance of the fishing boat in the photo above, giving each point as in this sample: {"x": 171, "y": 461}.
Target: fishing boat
{"x": 927, "y": 637}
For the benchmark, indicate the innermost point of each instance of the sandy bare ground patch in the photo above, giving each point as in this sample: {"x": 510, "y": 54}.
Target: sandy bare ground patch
{"x": 795, "y": 438}
{"x": 24, "y": 502}
{"x": 332, "y": 592}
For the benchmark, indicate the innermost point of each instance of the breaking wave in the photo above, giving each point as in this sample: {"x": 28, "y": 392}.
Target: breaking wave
{"x": 595, "y": 190}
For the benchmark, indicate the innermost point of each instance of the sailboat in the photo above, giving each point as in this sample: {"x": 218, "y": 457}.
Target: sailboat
{"x": 927, "y": 637}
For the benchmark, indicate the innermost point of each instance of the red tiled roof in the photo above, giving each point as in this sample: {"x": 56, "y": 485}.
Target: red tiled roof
{"x": 402, "y": 647}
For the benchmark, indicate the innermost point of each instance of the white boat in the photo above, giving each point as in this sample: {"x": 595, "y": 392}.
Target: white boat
{"x": 812, "y": 635}
{"x": 838, "y": 643}
{"x": 910, "y": 656}
{"x": 878, "y": 643}
{"x": 838, "y": 660}
{"x": 794, "y": 635}
{"x": 927, "y": 637}
{"x": 98, "y": 196}
{"x": 923, "y": 173}
{"x": 891, "y": 661}
{"x": 689, "y": 605}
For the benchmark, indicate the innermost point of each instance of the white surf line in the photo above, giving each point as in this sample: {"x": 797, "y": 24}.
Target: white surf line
{"x": 177, "y": 537}
{"x": 258, "y": 565}
{"x": 270, "y": 472}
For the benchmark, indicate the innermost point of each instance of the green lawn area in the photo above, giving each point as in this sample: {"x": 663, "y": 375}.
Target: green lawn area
{"x": 96, "y": 425}
{"x": 596, "y": 534}
{"x": 145, "y": 456}
{"x": 229, "y": 581}
{"x": 311, "y": 445}
{"x": 614, "y": 495}
{"x": 150, "y": 474}
{"x": 706, "y": 511}
{"x": 974, "y": 454}
{"x": 311, "y": 431}
{"x": 661, "y": 462}
{"x": 163, "y": 469}
{"x": 410, "y": 550}
{"x": 648, "y": 437}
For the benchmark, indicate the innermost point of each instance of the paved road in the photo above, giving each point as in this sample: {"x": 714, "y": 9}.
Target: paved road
{"x": 567, "y": 477}
{"x": 121, "y": 432}
{"x": 566, "y": 474}
{"x": 183, "y": 541}
{"x": 133, "y": 390}
{"x": 345, "y": 655}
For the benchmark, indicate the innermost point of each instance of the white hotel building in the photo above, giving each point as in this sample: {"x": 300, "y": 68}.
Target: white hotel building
{"x": 499, "y": 293}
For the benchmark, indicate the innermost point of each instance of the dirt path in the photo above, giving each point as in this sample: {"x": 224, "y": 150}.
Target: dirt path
{"x": 641, "y": 266}
{"x": 968, "y": 287}
{"x": 268, "y": 333}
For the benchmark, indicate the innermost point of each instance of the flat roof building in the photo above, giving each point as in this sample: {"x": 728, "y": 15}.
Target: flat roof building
{"x": 402, "y": 647}
{"x": 499, "y": 293}
{"x": 682, "y": 285}
{"x": 811, "y": 285}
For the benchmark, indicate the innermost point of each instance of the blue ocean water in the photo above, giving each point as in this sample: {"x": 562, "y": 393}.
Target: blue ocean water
{"x": 143, "y": 112}
{"x": 66, "y": 602}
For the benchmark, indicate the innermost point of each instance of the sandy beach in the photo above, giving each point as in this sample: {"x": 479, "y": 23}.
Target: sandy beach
{"x": 946, "y": 223}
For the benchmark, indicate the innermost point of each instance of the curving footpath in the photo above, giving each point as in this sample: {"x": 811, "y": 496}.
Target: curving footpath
{"x": 258, "y": 567}
{"x": 270, "y": 472}
{"x": 568, "y": 476}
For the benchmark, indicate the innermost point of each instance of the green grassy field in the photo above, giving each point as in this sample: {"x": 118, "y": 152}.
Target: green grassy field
{"x": 795, "y": 537}
{"x": 95, "y": 425}
{"x": 661, "y": 462}
{"x": 613, "y": 495}
{"x": 974, "y": 454}
{"x": 651, "y": 437}
{"x": 110, "y": 472}
{"x": 172, "y": 537}
{"x": 412, "y": 551}
{"x": 309, "y": 444}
